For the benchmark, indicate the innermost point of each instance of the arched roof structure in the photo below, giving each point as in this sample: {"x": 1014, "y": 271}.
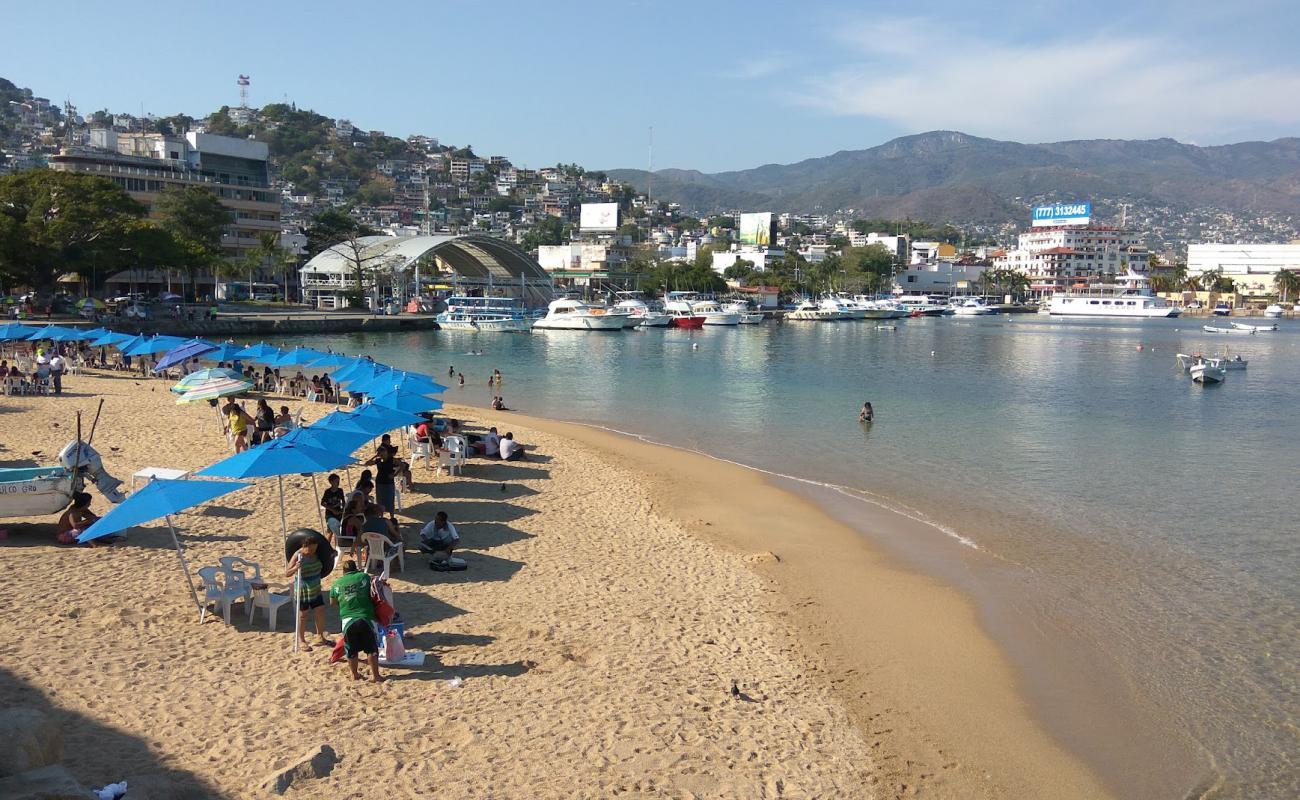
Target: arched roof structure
{"x": 472, "y": 256}
{"x": 474, "y": 260}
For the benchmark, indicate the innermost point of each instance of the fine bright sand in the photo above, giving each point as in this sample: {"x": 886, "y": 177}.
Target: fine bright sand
{"x": 615, "y": 594}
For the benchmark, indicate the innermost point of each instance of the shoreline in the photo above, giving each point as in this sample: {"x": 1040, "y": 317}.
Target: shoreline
{"x": 911, "y": 658}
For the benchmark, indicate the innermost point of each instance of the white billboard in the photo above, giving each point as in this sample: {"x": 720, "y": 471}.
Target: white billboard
{"x": 599, "y": 217}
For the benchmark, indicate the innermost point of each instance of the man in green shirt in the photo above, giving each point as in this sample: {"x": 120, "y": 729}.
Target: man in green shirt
{"x": 351, "y": 593}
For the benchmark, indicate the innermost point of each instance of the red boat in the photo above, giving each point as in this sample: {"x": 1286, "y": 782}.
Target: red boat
{"x": 687, "y": 322}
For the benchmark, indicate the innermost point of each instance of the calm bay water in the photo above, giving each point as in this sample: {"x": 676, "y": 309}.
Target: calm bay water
{"x": 1130, "y": 536}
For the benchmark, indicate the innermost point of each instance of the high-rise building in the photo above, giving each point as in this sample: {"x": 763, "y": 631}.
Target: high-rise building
{"x": 1054, "y": 258}
{"x": 145, "y": 164}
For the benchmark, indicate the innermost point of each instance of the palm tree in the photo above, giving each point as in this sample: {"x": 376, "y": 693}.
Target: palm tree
{"x": 1287, "y": 282}
{"x": 1210, "y": 279}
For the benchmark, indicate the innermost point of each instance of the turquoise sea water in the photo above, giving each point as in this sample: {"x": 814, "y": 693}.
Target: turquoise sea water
{"x": 1130, "y": 536}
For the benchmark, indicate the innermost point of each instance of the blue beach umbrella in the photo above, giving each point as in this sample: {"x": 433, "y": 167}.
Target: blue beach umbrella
{"x": 223, "y": 352}
{"x": 359, "y": 368}
{"x": 374, "y": 420}
{"x": 183, "y": 352}
{"x": 153, "y": 345}
{"x": 298, "y": 357}
{"x": 332, "y": 361}
{"x": 16, "y": 331}
{"x": 277, "y": 458}
{"x": 397, "y": 380}
{"x": 110, "y": 339}
{"x": 260, "y": 352}
{"x": 405, "y": 401}
{"x": 131, "y": 341}
{"x": 160, "y": 498}
{"x": 54, "y": 333}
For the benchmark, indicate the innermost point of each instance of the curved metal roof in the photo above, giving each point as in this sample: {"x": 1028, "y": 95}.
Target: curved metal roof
{"x": 471, "y": 256}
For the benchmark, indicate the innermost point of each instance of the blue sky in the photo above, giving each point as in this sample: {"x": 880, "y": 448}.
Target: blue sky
{"x": 725, "y": 85}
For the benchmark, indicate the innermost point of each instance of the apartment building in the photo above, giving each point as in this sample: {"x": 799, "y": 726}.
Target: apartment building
{"x": 1055, "y": 258}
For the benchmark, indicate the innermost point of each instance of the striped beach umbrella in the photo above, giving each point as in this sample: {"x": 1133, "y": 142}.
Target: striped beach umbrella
{"x": 194, "y": 379}
{"x": 212, "y": 389}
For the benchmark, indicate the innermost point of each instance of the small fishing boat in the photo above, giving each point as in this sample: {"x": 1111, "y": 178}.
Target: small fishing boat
{"x": 886, "y": 327}
{"x": 1215, "y": 329}
{"x": 1241, "y": 326}
{"x": 1185, "y": 361}
{"x": 1236, "y": 362}
{"x": 38, "y": 491}
{"x": 1210, "y": 370}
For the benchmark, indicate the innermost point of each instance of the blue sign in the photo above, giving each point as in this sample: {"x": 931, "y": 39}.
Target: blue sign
{"x": 1062, "y": 214}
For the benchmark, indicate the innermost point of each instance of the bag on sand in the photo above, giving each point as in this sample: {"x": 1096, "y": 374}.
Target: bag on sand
{"x": 381, "y": 594}
{"x": 394, "y": 650}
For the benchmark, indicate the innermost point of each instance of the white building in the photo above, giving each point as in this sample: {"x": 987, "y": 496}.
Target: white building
{"x": 1054, "y": 258}
{"x": 941, "y": 278}
{"x": 763, "y": 258}
{"x": 1250, "y": 266}
{"x": 580, "y": 257}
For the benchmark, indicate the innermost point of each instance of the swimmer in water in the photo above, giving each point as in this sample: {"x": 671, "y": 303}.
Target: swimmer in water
{"x": 867, "y": 414}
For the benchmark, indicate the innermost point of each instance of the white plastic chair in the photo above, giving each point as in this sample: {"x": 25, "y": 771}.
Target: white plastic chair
{"x": 381, "y": 551}
{"x": 422, "y": 450}
{"x": 263, "y": 597}
{"x": 216, "y": 593}
{"x": 236, "y": 570}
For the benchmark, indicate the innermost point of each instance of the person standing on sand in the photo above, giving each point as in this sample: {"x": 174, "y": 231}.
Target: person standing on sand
{"x": 237, "y": 420}
{"x": 308, "y": 569}
{"x": 351, "y": 593}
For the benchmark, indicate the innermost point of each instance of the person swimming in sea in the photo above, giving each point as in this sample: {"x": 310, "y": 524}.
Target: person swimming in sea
{"x": 867, "y": 414}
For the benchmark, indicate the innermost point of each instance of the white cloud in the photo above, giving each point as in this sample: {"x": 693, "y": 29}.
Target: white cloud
{"x": 761, "y": 67}
{"x": 921, "y": 76}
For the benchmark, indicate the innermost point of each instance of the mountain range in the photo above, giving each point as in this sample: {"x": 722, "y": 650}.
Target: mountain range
{"x": 949, "y": 176}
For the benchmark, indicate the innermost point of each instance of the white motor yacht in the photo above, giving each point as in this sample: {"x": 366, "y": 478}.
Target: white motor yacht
{"x": 808, "y": 311}
{"x": 484, "y": 314}
{"x": 575, "y": 315}
{"x": 747, "y": 315}
{"x": 844, "y": 309}
{"x": 972, "y": 308}
{"x": 641, "y": 312}
{"x": 1274, "y": 311}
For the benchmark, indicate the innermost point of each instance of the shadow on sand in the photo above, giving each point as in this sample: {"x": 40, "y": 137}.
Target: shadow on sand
{"x": 97, "y": 754}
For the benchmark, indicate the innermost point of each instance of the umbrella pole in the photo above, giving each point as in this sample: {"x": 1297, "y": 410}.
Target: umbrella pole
{"x": 319, "y": 510}
{"x": 297, "y": 613}
{"x": 189, "y": 581}
{"x": 284, "y": 526}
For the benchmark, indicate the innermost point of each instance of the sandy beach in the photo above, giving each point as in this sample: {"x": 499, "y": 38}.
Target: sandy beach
{"x": 616, "y": 592}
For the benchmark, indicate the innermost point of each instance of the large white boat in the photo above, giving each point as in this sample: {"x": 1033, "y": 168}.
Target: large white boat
{"x": 843, "y": 308}
{"x": 712, "y": 312}
{"x": 808, "y": 311}
{"x": 1131, "y": 297}
{"x": 879, "y": 308}
{"x": 1274, "y": 311}
{"x": 971, "y": 307}
{"x": 748, "y": 316}
{"x": 574, "y": 315}
{"x": 484, "y": 314}
{"x": 640, "y": 312}
{"x": 924, "y": 305}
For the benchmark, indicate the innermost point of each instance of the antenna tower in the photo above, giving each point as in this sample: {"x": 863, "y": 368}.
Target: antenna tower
{"x": 650, "y": 167}
{"x": 243, "y": 91}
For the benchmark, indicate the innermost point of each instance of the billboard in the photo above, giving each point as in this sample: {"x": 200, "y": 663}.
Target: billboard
{"x": 599, "y": 217}
{"x": 1062, "y": 214}
{"x": 756, "y": 229}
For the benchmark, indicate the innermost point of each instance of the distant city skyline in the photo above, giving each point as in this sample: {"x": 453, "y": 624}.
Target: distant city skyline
{"x": 724, "y": 85}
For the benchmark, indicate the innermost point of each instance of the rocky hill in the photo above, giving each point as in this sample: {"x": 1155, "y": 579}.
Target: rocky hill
{"x": 955, "y": 177}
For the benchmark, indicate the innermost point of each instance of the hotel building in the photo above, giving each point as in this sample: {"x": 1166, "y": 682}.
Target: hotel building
{"x": 1054, "y": 258}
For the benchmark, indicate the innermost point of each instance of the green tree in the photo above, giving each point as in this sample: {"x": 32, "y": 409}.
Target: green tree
{"x": 1287, "y": 283}
{"x": 332, "y": 226}
{"x": 55, "y": 222}
{"x": 549, "y": 231}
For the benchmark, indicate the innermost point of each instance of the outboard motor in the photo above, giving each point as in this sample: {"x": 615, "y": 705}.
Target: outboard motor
{"x": 89, "y": 464}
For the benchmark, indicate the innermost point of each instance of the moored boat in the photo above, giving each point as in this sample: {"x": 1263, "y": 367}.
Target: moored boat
{"x": 484, "y": 314}
{"x": 575, "y": 315}
{"x": 1241, "y": 326}
{"x": 1250, "y": 331}
{"x": 1210, "y": 370}
{"x": 1274, "y": 311}
{"x": 808, "y": 311}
